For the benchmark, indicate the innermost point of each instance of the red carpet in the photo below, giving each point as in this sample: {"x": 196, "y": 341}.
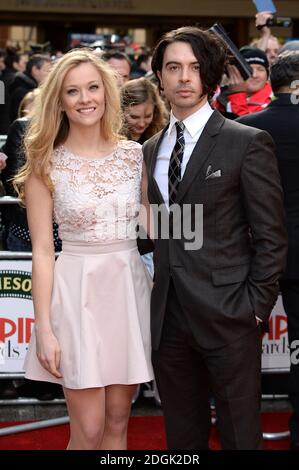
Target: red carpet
{"x": 145, "y": 433}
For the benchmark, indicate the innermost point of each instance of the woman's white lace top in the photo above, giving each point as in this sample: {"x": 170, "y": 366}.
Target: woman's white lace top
{"x": 97, "y": 199}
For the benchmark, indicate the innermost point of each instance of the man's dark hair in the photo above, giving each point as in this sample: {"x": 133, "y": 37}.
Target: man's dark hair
{"x": 118, "y": 55}
{"x": 36, "y": 60}
{"x": 142, "y": 58}
{"x": 207, "y": 49}
{"x": 284, "y": 70}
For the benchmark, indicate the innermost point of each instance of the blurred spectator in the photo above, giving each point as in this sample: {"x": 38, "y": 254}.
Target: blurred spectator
{"x": 37, "y": 69}
{"x": 26, "y": 104}
{"x": 241, "y": 96}
{"x": 21, "y": 64}
{"x": 43, "y": 49}
{"x": 14, "y": 62}
{"x": 281, "y": 120}
{"x": 2, "y": 193}
{"x": 290, "y": 46}
{"x": 141, "y": 66}
{"x": 2, "y": 61}
{"x": 18, "y": 233}
{"x": 120, "y": 62}
{"x": 143, "y": 109}
{"x": 3, "y": 159}
{"x": 144, "y": 115}
{"x": 267, "y": 43}
{"x": 58, "y": 54}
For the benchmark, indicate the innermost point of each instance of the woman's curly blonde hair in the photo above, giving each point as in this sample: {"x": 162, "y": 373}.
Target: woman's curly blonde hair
{"x": 49, "y": 125}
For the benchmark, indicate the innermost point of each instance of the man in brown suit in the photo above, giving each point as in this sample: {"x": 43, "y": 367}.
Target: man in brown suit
{"x": 208, "y": 302}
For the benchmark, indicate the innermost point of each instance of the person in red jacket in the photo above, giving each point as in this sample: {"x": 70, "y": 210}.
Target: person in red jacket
{"x": 241, "y": 96}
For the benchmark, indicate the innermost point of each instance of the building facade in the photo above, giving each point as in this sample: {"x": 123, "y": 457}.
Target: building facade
{"x": 54, "y": 20}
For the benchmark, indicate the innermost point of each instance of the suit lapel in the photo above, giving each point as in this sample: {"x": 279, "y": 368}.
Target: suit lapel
{"x": 201, "y": 152}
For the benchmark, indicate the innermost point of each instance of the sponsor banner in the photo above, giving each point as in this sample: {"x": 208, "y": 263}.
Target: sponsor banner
{"x": 276, "y": 355}
{"x": 16, "y": 313}
{"x": 17, "y": 319}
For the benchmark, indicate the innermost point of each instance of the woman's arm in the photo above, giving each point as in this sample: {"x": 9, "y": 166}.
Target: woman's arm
{"x": 39, "y": 205}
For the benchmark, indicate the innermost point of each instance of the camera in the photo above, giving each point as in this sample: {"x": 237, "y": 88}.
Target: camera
{"x": 235, "y": 57}
{"x": 281, "y": 21}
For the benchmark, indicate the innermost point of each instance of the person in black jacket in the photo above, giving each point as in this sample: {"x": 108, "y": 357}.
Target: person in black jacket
{"x": 37, "y": 69}
{"x": 18, "y": 238}
{"x": 14, "y": 63}
{"x": 281, "y": 120}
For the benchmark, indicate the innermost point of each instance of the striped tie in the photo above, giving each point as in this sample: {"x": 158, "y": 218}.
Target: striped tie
{"x": 174, "y": 170}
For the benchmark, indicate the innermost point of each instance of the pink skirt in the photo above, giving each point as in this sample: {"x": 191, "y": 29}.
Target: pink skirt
{"x": 100, "y": 315}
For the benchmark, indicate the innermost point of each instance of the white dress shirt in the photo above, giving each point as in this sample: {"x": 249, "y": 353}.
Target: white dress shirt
{"x": 194, "y": 126}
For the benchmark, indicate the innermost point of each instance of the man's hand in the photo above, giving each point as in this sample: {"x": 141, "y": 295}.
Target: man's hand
{"x": 3, "y": 159}
{"x": 236, "y": 83}
{"x": 261, "y": 20}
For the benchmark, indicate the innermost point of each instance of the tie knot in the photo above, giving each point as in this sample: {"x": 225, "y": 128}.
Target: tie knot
{"x": 180, "y": 126}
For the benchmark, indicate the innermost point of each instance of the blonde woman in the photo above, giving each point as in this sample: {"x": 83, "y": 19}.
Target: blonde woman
{"x": 92, "y": 332}
{"x": 144, "y": 111}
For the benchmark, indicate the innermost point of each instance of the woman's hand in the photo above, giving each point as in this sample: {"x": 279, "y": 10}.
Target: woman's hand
{"x": 48, "y": 351}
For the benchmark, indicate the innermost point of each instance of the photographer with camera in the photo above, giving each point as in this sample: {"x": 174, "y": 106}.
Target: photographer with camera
{"x": 267, "y": 43}
{"x": 239, "y": 96}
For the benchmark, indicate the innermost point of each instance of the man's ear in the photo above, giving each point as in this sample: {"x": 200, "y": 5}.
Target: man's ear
{"x": 160, "y": 79}
{"x": 33, "y": 71}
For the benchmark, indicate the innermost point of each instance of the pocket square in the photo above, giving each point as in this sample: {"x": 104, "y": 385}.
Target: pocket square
{"x": 214, "y": 174}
